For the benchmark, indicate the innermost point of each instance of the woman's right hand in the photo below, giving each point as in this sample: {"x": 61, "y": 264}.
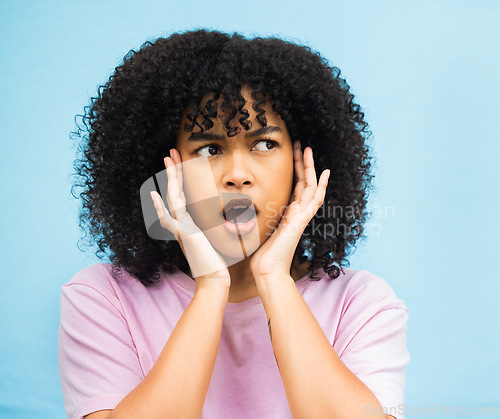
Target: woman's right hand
{"x": 207, "y": 267}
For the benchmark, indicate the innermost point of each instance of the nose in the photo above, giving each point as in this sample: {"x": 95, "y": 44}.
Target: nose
{"x": 237, "y": 172}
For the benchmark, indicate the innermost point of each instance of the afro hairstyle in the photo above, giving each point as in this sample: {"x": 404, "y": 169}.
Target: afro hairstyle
{"x": 132, "y": 123}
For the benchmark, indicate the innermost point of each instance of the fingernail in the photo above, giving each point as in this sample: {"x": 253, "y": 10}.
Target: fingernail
{"x": 296, "y": 145}
{"x": 171, "y": 153}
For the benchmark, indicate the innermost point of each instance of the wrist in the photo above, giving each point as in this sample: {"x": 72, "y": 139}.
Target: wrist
{"x": 216, "y": 294}
{"x": 273, "y": 286}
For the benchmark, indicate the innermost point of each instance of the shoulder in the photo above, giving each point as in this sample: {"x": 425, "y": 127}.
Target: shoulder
{"x": 101, "y": 282}
{"x": 98, "y": 276}
{"x": 95, "y": 274}
{"x": 95, "y": 281}
{"x": 355, "y": 298}
{"x": 366, "y": 288}
{"x": 356, "y": 288}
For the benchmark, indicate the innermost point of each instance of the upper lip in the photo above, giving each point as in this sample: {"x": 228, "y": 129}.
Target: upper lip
{"x": 234, "y": 200}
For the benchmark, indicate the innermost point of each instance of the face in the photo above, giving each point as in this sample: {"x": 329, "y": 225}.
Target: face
{"x": 257, "y": 163}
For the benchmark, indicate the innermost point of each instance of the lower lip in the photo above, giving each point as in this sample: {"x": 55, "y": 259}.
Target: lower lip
{"x": 240, "y": 229}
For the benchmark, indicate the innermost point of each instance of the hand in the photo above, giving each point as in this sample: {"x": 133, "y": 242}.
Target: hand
{"x": 207, "y": 266}
{"x": 275, "y": 256}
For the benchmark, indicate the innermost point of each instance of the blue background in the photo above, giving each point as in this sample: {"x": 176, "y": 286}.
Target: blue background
{"x": 424, "y": 72}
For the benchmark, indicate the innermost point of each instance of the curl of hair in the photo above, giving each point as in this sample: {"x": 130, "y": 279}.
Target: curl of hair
{"x": 132, "y": 124}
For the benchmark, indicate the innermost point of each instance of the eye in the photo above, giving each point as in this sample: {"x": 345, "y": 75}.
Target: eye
{"x": 208, "y": 147}
{"x": 266, "y": 142}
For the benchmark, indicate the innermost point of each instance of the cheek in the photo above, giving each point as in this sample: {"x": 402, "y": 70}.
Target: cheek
{"x": 201, "y": 193}
{"x": 198, "y": 180}
{"x": 270, "y": 217}
{"x": 288, "y": 177}
{"x": 279, "y": 192}
{"x": 284, "y": 175}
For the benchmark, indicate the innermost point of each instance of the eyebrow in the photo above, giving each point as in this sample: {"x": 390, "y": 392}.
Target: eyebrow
{"x": 202, "y": 136}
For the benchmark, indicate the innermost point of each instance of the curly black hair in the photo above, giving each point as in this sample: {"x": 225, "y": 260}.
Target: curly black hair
{"x": 133, "y": 122}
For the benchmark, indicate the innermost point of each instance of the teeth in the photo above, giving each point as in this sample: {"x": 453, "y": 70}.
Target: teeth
{"x": 240, "y": 207}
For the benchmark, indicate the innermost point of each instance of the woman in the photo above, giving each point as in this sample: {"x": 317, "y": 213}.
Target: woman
{"x": 249, "y": 312}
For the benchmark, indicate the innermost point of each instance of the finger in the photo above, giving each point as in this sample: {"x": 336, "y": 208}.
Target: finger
{"x": 164, "y": 216}
{"x": 299, "y": 173}
{"x": 169, "y": 188}
{"x": 176, "y": 157}
{"x": 319, "y": 194}
{"x": 317, "y": 200}
{"x": 175, "y": 199}
{"x": 179, "y": 228}
{"x": 309, "y": 176}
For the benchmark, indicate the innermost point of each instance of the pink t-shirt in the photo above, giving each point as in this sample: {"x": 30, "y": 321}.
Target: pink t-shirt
{"x": 112, "y": 332}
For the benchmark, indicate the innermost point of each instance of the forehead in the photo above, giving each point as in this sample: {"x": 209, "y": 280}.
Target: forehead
{"x": 239, "y": 120}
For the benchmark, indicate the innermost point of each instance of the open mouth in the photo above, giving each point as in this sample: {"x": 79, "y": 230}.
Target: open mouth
{"x": 239, "y": 211}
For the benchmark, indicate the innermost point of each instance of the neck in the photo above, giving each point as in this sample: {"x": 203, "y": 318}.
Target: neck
{"x": 243, "y": 286}
{"x": 241, "y": 275}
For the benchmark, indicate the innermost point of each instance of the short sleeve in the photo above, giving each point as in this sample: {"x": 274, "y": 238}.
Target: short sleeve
{"x": 378, "y": 356}
{"x": 98, "y": 362}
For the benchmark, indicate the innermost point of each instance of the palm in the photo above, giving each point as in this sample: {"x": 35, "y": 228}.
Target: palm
{"x": 275, "y": 256}
{"x": 206, "y": 265}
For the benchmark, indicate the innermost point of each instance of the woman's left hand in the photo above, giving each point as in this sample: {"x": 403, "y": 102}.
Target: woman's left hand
{"x": 275, "y": 256}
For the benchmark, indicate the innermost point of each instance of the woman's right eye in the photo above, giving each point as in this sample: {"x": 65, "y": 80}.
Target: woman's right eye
{"x": 208, "y": 147}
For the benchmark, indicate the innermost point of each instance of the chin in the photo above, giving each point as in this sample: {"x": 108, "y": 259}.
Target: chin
{"x": 231, "y": 247}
